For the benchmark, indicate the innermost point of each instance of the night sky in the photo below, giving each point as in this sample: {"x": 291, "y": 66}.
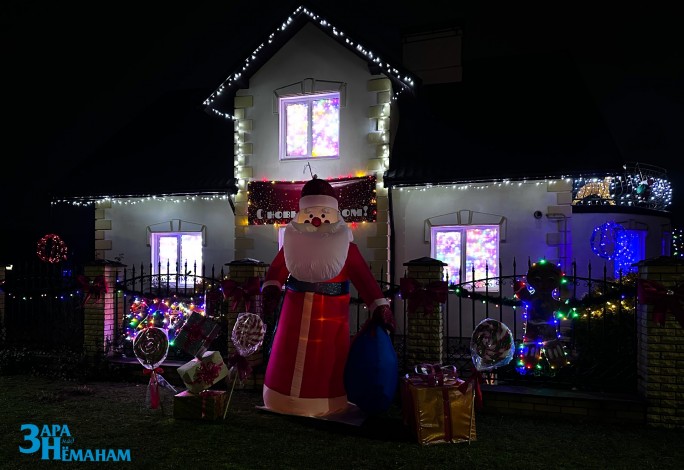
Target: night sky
{"x": 72, "y": 76}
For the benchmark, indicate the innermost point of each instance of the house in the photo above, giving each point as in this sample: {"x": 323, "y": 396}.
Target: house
{"x": 502, "y": 160}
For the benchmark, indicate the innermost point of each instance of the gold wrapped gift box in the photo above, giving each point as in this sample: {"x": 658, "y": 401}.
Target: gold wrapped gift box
{"x": 438, "y": 414}
{"x": 208, "y": 405}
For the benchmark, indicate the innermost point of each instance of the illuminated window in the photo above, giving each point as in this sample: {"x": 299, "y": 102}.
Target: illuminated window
{"x": 176, "y": 255}
{"x": 464, "y": 248}
{"x": 310, "y": 126}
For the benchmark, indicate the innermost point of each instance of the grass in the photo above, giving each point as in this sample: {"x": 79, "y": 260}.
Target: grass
{"x": 104, "y": 415}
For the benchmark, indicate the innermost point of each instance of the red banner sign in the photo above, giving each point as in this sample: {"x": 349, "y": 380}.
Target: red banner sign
{"x": 278, "y": 202}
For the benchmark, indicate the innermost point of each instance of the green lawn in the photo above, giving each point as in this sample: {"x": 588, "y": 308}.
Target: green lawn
{"x": 114, "y": 415}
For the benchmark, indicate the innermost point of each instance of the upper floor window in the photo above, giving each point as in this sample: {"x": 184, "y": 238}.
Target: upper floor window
{"x": 310, "y": 126}
{"x": 467, "y": 248}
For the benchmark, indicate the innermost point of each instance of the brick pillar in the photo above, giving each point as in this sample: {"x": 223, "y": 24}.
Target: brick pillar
{"x": 239, "y": 271}
{"x": 101, "y": 318}
{"x": 425, "y": 330}
{"x": 660, "y": 357}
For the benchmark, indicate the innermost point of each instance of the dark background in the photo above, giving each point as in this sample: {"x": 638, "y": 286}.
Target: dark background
{"x": 72, "y": 75}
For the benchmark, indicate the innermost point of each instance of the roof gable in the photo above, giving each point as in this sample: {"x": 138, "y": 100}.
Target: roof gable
{"x": 220, "y": 101}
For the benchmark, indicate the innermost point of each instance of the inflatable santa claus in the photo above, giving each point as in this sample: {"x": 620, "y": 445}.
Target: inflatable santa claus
{"x": 305, "y": 371}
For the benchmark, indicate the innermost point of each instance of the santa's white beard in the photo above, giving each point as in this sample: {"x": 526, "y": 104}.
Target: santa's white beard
{"x": 316, "y": 254}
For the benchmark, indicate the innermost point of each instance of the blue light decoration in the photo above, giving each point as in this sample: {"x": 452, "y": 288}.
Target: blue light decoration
{"x": 606, "y": 240}
{"x": 611, "y": 241}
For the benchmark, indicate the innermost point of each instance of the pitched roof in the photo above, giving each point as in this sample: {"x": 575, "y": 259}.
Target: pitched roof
{"x": 220, "y": 100}
{"x": 172, "y": 147}
{"x": 159, "y": 146}
{"x": 518, "y": 117}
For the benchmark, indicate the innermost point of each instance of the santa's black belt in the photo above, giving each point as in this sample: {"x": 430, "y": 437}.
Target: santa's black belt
{"x": 325, "y": 288}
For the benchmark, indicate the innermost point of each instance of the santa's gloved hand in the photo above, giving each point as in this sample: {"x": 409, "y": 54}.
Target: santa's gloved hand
{"x": 382, "y": 316}
{"x": 270, "y": 296}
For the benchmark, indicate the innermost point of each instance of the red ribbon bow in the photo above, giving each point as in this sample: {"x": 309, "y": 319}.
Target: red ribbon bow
{"x": 240, "y": 363}
{"x": 418, "y": 296}
{"x": 92, "y": 287}
{"x": 477, "y": 380}
{"x": 207, "y": 373}
{"x": 435, "y": 375}
{"x": 233, "y": 290}
{"x": 663, "y": 300}
{"x": 154, "y": 385}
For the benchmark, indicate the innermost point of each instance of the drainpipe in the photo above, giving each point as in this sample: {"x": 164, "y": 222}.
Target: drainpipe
{"x": 562, "y": 255}
{"x": 390, "y": 215}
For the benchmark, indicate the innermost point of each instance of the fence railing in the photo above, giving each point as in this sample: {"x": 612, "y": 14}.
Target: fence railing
{"x": 44, "y": 308}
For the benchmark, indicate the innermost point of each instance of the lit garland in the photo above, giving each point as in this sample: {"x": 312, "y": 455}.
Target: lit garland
{"x": 678, "y": 242}
{"x": 571, "y": 308}
{"x": 131, "y": 201}
{"x": 160, "y": 313}
{"x": 407, "y": 82}
{"x": 641, "y": 185}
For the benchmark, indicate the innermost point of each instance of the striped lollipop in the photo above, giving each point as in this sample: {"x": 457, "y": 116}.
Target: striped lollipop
{"x": 491, "y": 345}
{"x": 248, "y": 333}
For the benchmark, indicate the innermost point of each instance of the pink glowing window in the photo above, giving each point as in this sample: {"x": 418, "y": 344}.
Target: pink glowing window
{"x": 310, "y": 126}
{"x": 467, "y": 248}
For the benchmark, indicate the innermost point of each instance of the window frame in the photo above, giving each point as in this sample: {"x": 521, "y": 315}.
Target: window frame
{"x": 308, "y": 98}
{"x": 465, "y": 271}
{"x": 162, "y": 275}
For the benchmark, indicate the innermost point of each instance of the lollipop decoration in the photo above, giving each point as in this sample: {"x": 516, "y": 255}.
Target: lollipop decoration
{"x": 247, "y": 336}
{"x": 248, "y": 333}
{"x": 491, "y": 345}
{"x": 151, "y": 346}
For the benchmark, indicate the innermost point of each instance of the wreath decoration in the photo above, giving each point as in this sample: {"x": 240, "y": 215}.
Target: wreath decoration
{"x": 610, "y": 243}
{"x": 51, "y": 249}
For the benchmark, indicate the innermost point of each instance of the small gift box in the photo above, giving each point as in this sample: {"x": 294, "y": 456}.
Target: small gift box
{"x": 201, "y": 373}
{"x": 208, "y": 404}
{"x": 197, "y": 333}
{"x": 437, "y": 406}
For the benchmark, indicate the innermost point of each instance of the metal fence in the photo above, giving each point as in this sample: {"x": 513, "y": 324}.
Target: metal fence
{"x": 44, "y": 309}
{"x": 600, "y": 335}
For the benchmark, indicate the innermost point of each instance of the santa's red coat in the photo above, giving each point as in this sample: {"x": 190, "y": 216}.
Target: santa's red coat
{"x": 305, "y": 371}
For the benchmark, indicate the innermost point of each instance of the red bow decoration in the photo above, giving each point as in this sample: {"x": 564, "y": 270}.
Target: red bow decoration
{"x": 93, "y": 288}
{"x": 477, "y": 380}
{"x": 418, "y": 296}
{"x": 663, "y": 300}
{"x": 207, "y": 373}
{"x": 154, "y": 385}
{"x": 435, "y": 375}
{"x": 240, "y": 363}
{"x": 238, "y": 292}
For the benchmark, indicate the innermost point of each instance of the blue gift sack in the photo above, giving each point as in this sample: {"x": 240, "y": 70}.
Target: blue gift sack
{"x": 371, "y": 374}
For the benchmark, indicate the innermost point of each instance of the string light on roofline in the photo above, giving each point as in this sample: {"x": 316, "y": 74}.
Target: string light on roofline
{"x": 131, "y": 200}
{"x": 407, "y": 81}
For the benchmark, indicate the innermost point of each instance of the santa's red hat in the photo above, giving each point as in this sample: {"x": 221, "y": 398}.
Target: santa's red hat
{"x": 318, "y": 192}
